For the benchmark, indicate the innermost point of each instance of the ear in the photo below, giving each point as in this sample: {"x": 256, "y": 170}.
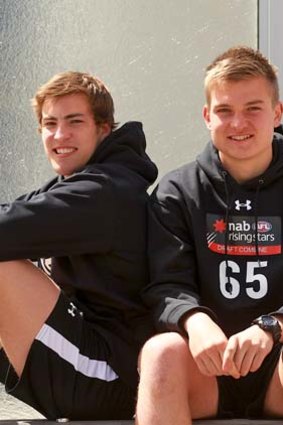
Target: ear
{"x": 206, "y": 116}
{"x": 104, "y": 130}
{"x": 278, "y": 111}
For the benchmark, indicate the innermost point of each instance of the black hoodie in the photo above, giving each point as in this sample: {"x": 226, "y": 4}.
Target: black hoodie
{"x": 216, "y": 245}
{"x": 279, "y": 129}
{"x": 93, "y": 226}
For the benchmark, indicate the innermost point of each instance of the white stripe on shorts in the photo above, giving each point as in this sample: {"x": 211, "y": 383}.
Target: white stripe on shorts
{"x": 66, "y": 350}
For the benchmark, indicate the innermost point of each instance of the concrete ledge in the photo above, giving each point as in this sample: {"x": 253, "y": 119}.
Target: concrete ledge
{"x": 196, "y": 422}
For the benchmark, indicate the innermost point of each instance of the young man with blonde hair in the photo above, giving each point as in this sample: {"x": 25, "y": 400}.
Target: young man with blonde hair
{"x": 215, "y": 248}
{"x": 71, "y": 330}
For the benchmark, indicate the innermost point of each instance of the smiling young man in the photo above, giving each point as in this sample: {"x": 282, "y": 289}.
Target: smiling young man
{"x": 69, "y": 132}
{"x": 70, "y": 334}
{"x": 215, "y": 248}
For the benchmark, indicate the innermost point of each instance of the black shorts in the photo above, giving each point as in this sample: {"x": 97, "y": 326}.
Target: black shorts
{"x": 67, "y": 374}
{"x": 244, "y": 397}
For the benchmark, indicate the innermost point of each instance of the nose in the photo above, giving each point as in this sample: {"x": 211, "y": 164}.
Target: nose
{"x": 238, "y": 121}
{"x": 61, "y": 132}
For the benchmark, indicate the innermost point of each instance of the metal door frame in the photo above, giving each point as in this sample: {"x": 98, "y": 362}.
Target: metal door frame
{"x": 270, "y": 34}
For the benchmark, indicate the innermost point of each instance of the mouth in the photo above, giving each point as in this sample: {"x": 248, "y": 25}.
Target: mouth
{"x": 64, "y": 151}
{"x": 240, "y": 138}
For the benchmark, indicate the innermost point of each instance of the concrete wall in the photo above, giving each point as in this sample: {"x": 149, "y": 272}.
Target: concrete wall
{"x": 151, "y": 53}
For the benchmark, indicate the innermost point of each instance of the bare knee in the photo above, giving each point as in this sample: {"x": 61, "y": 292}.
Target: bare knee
{"x": 164, "y": 361}
{"x": 11, "y": 268}
{"x": 165, "y": 348}
{"x": 22, "y": 273}
{"x": 27, "y": 297}
{"x": 5, "y": 266}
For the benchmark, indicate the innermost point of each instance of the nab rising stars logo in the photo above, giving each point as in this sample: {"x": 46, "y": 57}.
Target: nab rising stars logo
{"x": 247, "y": 205}
{"x": 241, "y": 235}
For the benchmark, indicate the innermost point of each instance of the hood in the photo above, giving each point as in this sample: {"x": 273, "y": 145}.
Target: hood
{"x": 210, "y": 163}
{"x": 126, "y": 147}
{"x": 279, "y": 129}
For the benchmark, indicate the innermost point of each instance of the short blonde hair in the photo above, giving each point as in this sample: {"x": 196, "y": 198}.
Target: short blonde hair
{"x": 241, "y": 63}
{"x": 72, "y": 82}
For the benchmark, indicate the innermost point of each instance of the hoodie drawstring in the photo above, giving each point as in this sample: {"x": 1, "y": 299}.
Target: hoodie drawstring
{"x": 227, "y": 212}
{"x": 260, "y": 183}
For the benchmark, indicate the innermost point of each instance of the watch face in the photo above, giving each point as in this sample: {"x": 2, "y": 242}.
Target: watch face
{"x": 268, "y": 321}
{"x": 269, "y": 324}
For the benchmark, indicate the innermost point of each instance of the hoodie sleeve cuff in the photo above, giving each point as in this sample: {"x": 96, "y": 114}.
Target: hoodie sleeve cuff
{"x": 174, "y": 321}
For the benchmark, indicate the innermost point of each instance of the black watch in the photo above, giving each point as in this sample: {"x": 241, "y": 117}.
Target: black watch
{"x": 269, "y": 324}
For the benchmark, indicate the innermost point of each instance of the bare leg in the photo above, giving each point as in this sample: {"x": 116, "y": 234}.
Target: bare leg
{"x": 274, "y": 398}
{"x": 27, "y": 297}
{"x": 172, "y": 390}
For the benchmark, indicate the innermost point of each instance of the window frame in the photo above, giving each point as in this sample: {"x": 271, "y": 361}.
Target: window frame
{"x": 270, "y": 43}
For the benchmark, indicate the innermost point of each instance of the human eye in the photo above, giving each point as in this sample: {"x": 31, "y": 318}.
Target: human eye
{"x": 223, "y": 110}
{"x": 49, "y": 123}
{"x": 254, "y": 108}
{"x": 76, "y": 121}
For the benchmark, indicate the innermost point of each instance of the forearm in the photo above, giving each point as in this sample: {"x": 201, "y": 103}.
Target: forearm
{"x": 195, "y": 319}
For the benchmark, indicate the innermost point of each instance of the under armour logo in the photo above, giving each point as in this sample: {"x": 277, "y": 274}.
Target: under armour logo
{"x": 72, "y": 310}
{"x": 239, "y": 205}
